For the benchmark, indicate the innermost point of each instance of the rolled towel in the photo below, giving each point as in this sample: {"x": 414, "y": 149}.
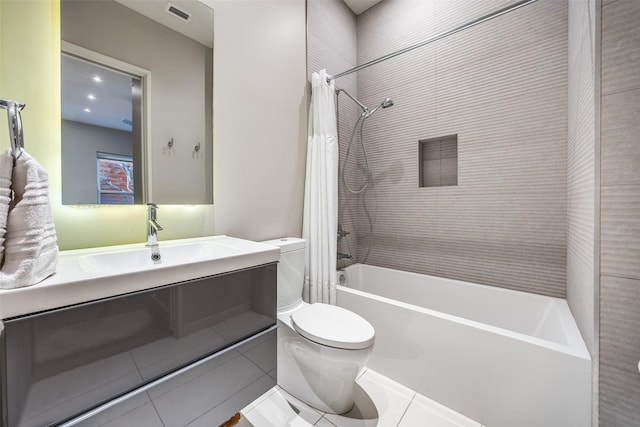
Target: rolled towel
{"x": 6, "y": 169}
{"x": 31, "y": 250}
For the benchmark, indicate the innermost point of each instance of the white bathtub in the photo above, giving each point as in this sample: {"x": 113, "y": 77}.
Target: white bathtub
{"x": 501, "y": 357}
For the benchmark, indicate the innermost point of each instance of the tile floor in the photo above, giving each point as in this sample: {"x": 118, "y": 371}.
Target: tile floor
{"x": 380, "y": 402}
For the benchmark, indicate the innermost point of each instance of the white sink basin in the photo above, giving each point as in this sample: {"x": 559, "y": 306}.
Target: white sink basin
{"x": 95, "y": 273}
{"x": 140, "y": 258}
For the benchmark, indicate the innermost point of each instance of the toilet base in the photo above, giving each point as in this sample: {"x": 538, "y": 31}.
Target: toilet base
{"x": 322, "y": 377}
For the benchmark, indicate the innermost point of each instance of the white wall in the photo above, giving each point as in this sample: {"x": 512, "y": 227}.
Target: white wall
{"x": 260, "y": 111}
{"x": 260, "y": 135}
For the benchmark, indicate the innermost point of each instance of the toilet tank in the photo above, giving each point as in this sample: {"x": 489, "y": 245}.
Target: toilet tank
{"x": 290, "y": 270}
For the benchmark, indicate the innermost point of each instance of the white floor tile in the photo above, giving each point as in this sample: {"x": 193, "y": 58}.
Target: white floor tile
{"x": 259, "y": 400}
{"x": 277, "y": 411}
{"x": 379, "y": 402}
{"x": 426, "y": 412}
{"x": 243, "y": 423}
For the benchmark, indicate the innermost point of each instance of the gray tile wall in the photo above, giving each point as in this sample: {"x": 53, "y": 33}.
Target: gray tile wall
{"x": 502, "y": 88}
{"x": 438, "y": 160}
{"x": 620, "y": 215}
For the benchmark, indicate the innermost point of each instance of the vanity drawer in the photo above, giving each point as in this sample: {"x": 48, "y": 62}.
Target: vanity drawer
{"x": 205, "y": 393}
{"x": 61, "y": 363}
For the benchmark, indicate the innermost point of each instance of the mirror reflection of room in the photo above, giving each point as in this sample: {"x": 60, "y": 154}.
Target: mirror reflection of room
{"x": 98, "y": 133}
{"x": 170, "y": 156}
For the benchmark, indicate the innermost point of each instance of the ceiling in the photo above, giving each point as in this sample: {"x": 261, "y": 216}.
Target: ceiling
{"x": 199, "y": 26}
{"x": 359, "y": 6}
{"x": 108, "y": 100}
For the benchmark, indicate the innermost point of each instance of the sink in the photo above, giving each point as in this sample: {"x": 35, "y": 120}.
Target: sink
{"x": 140, "y": 258}
{"x": 92, "y": 274}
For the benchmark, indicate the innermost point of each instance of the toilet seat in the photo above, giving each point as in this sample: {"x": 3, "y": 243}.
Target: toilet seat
{"x": 333, "y": 326}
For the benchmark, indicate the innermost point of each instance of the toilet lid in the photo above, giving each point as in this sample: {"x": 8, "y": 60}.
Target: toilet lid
{"x": 333, "y": 326}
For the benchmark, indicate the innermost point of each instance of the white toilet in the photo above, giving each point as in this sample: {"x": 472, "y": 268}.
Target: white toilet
{"x": 321, "y": 347}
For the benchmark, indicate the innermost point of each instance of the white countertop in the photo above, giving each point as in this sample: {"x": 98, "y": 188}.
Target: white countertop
{"x": 73, "y": 283}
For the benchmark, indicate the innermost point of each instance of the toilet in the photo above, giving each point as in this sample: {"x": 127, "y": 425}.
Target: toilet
{"x": 321, "y": 348}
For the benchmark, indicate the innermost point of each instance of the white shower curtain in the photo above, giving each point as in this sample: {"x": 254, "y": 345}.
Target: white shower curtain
{"x": 320, "y": 220}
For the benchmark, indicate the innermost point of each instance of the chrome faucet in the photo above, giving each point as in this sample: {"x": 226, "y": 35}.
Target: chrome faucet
{"x": 152, "y": 231}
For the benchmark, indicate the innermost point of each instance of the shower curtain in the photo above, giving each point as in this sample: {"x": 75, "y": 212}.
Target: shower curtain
{"x": 320, "y": 220}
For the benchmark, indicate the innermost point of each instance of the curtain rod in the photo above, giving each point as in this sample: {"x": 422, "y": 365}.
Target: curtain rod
{"x": 434, "y": 38}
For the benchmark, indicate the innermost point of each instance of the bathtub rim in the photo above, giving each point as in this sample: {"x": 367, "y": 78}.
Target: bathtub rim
{"x": 575, "y": 347}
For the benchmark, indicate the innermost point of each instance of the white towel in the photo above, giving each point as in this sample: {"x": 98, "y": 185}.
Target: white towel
{"x": 6, "y": 168}
{"x": 30, "y": 248}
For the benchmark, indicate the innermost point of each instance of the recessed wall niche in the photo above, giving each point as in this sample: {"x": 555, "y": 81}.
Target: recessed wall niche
{"x": 438, "y": 159}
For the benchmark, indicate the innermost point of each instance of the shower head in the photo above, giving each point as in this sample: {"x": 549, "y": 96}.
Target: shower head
{"x": 388, "y": 102}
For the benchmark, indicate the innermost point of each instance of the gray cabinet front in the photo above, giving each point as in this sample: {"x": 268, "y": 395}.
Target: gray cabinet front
{"x": 61, "y": 363}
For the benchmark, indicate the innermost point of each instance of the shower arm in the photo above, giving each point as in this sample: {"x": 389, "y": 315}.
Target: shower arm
{"x": 365, "y": 110}
{"x": 370, "y": 113}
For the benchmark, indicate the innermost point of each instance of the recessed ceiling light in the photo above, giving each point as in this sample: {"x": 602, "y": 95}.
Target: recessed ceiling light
{"x": 91, "y": 96}
{"x": 97, "y": 79}
{"x": 86, "y": 110}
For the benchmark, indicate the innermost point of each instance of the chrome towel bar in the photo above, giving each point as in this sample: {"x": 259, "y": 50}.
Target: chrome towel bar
{"x": 15, "y": 125}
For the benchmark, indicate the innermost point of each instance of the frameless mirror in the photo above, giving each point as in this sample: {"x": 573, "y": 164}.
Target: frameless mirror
{"x": 137, "y": 95}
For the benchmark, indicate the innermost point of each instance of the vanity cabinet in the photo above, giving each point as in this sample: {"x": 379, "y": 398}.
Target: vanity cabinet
{"x": 61, "y": 363}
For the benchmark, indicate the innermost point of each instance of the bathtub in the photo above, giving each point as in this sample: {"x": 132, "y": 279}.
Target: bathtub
{"x": 503, "y": 358}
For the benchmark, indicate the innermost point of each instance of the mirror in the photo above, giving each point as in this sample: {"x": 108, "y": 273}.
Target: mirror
{"x": 137, "y": 102}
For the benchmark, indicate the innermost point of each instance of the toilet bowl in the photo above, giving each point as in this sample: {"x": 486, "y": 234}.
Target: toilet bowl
{"x": 321, "y": 348}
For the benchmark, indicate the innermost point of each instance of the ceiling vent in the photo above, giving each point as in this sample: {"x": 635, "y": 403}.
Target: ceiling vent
{"x": 175, "y": 10}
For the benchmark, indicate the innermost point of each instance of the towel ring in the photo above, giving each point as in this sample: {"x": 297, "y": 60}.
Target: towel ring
{"x": 15, "y": 125}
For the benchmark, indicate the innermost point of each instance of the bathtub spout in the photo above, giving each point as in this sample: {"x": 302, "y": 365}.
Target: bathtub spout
{"x": 344, "y": 256}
